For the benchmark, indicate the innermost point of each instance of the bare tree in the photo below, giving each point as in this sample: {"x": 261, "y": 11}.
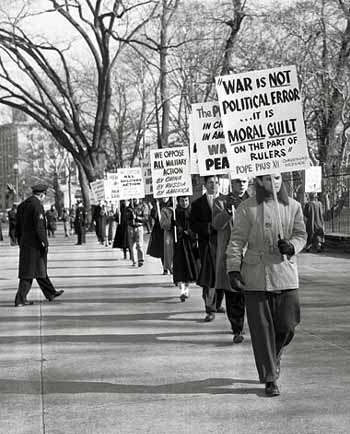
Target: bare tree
{"x": 234, "y": 23}
{"x": 36, "y": 75}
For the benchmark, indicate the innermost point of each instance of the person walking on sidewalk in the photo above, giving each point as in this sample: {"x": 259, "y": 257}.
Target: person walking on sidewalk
{"x": 65, "y": 220}
{"x": 201, "y": 224}
{"x": 51, "y": 219}
{"x": 268, "y": 273}
{"x": 80, "y": 223}
{"x": 313, "y": 214}
{"x": 223, "y": 221}
{"x": 1, "y": 236}
{"x": 167, "y": 224}
{"x": 33, "y": 247}
{"x": 12, "y": 225}
{"x": 155, "y": 246}
{"x": 135, "y": 213}
{"x": 121, "y": 239}
{"x": 185, "y": 249}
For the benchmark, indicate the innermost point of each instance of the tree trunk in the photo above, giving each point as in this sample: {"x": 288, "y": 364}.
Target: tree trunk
{"x": 85, "y": 190}
{"x": 235, "y": 25}
{"x": 164, "y": 91}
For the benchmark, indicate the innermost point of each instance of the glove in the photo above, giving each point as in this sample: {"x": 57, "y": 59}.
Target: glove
{"x": 286, "y": 247}
{"x": 236, "y": 281}
{"x": 231, "y": 201}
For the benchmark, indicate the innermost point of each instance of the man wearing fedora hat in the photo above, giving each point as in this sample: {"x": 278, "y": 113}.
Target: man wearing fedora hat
{"x": 33, "y": 246}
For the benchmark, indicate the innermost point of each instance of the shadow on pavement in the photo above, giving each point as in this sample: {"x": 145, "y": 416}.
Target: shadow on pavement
{"x": 197, "y": 338}
{"x": 95, "y": 318}
{"x": 212, "y": 386}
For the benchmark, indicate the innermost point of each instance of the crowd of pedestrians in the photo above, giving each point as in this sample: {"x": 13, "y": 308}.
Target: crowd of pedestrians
{"x": 237, "y": 247}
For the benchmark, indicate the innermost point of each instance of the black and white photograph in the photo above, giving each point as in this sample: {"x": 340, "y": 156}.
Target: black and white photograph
{"x": 174, "y": 216}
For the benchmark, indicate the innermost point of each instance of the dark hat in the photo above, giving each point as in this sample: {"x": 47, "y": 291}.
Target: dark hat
{"x": 39, "y": 188}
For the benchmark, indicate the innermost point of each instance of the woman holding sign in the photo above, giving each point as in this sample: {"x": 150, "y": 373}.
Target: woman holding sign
{"x": 185, "y": 249}
{"x": 268, "y": 272}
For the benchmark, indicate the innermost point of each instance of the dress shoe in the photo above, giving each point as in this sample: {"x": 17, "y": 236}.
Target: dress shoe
{"x": 271, "y": 389}
{"x": 220, "y": 309}
{"x": 183, "y": 297}
{"x": 57, "y": 294}
{"x": 210, "y": 317}
{"x": 238, "y": 338}
{"x": 25, "y": 303}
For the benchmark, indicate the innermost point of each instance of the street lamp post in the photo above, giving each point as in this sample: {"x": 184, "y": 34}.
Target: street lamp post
{"x": 16, "y": 171}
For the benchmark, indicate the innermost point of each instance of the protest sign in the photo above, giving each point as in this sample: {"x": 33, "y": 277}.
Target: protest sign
{"x": 98, "y": 189}
{"x": 147, "y": 179}
{"x": 313, "y": 179}
{"x": 208, "y": 137}
{"x": 112, "y": 188}
{"x": 171, "y": 172}
{"x": 131, "y": 184}
{"x": 263, "y": 124}
{"x": 193, "y": 145}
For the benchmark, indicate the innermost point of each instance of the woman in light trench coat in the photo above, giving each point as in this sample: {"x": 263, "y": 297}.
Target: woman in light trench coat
{"x": 268, "y": 273}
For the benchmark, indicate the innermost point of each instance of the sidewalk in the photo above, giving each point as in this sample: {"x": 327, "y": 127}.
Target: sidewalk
{"x": 118, "y": 353}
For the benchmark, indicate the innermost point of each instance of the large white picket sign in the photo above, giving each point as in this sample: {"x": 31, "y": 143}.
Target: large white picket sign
{"x": 208, "y": 136}
{"x": 112, "y": 188}
{"x": 147, "y": 179}
{"x": 131, "y": 184}
{"x": 313, "y": 179}
{"x": 263, "y": 124}
{"x": 98, "y": 190}
{"x": 171, "y": 175}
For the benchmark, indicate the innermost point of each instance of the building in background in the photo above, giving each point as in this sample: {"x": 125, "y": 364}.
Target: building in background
{"x": 29, "y": 155}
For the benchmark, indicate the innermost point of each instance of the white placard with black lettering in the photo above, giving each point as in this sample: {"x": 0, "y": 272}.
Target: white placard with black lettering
{"x": 112, "y": 188}
{"x": 98, "y": 189}
{"x": 263, "y": 123}
{"x": 147, "y": 179}
{"x": 131, "y": 185}
{"x": 313, "y": 179}
{"x": 208, "y": 136}
{"x": 171, "y": 175}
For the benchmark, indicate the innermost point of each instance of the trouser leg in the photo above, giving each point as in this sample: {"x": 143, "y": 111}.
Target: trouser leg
{"x": 23, "y": 290}
{"x": 209, "y": 297}
{"x": 262, "y": 332}
{"x": 272, "y": 318}
{"x": 139, "y": 244}
{"x": 219, "y": 297}
{"x": 235, "y": 305}
{"x": 287, "y": 317}
{"x": 131, "y": 237}
{"x": 46, "y": 286}
{"x": 83, "y": 235}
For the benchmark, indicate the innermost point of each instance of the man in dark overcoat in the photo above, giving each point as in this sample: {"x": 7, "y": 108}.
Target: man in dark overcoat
{"x": 12, "y": 225}
{"x": 313, "y": 214}
{"x": 223, "y": 221}
{"x": 33, "y": 247}
{"x": 80, "y": 223}
{"x": 201, "y": 224}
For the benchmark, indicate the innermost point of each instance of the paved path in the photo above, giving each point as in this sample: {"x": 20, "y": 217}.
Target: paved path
{"x": 118, "y": 353}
